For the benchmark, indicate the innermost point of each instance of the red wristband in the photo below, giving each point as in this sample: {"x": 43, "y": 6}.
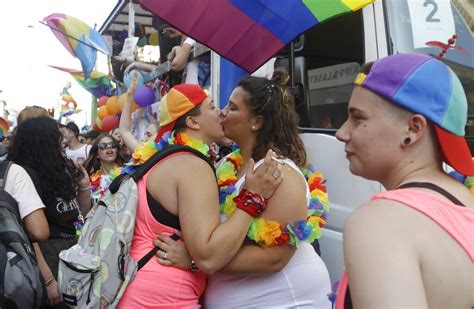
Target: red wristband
{"x": 250, "y": 202}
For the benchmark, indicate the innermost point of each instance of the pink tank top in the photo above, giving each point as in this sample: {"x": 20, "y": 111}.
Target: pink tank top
{"x": 157, "y": 286}
{"x": 456, "y": 220}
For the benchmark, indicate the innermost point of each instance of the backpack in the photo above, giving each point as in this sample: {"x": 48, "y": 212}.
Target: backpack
{"x": 95, "y": 272}
{"x": 21, "y": 283}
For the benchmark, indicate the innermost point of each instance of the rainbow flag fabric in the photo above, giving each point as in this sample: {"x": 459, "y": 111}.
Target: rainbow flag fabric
{"x": 4, "y": 126}
{"x": 248, "y": 32}
{"x": 98, "y": 84}
{"x": 78, "y": 38}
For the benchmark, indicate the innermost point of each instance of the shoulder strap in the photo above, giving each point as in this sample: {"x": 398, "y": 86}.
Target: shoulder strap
{"x": 4, "y": 167}
{"x": 432, "y": 186}
{"x": 145, "y": 167}
{"x": 151, "y": 253}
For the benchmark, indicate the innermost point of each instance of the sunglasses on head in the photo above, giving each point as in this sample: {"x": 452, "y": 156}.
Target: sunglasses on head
{"x": 104, "y": 146}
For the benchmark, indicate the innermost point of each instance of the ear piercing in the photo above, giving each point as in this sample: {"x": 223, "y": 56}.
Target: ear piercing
{"x": 407, "y": 141}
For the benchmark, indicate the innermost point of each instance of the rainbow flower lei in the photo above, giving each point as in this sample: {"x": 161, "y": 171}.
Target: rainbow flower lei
{"x": 469, "y": 183}
{"x": 100, "y": 181}
{"x": 147, "y": 149}
{"x": 270, "y": 232}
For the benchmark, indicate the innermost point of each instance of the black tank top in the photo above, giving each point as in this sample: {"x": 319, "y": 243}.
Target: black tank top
{"x": 161, "y": 214}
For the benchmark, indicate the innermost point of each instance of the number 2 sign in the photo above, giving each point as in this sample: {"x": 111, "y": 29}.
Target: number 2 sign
{"x": 431, "y": 20}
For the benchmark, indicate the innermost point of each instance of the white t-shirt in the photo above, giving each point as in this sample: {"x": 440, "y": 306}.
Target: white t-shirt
{"x": 79, "y": 155}
{"x": 21, "y": 188}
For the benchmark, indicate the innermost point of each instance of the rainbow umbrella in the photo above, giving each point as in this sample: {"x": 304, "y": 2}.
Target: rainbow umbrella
{"x": 248, "y": 32}
{"x": 4, "y": 126}
{"x": 79, "y": 39}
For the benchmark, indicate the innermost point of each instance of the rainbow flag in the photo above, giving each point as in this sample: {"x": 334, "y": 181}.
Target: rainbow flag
{"x": 78, "y": 38}
{"x": 67, "y": 97}
{"x": 4, "y": 126}
{"x": 248, "y": 32}
{"x": 66, "y": 110}
{"x": 98, "y": 84}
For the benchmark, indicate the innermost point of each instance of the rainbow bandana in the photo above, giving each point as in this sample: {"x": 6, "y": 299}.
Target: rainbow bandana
{"x": 426, "y": 86}
{"x": 179, "y": 100}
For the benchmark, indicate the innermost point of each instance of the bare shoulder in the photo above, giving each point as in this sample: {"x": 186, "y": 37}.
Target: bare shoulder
{"x": 187, "y": 161}
{"x": 292, "y": 179}
{"x": 380, "y": 221}
{"x": 182, "y": 167}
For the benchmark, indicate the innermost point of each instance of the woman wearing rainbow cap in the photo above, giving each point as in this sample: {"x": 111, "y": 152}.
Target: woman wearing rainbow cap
{"x": 411, "y": 246}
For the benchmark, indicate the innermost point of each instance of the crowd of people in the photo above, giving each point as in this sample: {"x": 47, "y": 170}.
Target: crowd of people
{"x": 245, "y": 220}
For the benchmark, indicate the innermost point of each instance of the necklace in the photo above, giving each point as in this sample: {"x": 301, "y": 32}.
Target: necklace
{"x": 271, "y": 232}
{"x": 101, "y": 180}
{"x": 469, "y": 183}
{"x": 147, "y": 149}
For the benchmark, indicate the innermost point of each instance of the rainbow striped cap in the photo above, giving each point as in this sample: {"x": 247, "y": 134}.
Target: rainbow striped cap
{"x": 178, "y": 101}
{"x": 426, "y": 86}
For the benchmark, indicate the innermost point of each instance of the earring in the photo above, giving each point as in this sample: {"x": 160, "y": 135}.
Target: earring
{"x": 407, "y": 141}
{"x": 254, "y": 128}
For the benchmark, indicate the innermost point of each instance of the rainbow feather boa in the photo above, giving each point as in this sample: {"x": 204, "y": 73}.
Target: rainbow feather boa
{"x": 147, "y": 149}
{"x": 270, "y": 232}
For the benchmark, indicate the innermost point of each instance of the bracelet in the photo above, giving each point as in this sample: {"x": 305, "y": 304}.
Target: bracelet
{"x": 250, "y": 202}
{"x": 49, "y": 281}
{"x": 192, "y": 266}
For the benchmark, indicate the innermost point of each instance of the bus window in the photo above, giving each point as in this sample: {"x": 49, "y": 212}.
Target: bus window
{"x": 325, "y": 69}
{"x": 409, "y": 24}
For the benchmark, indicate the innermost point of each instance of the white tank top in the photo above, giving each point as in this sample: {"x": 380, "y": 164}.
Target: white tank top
{"x": 303, "y": 283}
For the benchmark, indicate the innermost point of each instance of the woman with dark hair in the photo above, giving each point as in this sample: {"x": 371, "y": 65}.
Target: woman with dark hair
{"x": 276, "y": 267}
{"x": 103, "y": 165}
{"x": 62, "y": 185}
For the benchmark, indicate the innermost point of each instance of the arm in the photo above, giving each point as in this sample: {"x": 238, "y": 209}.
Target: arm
{"x": 37, "y": 225}
{"x": 287, "y": 204}
{"x": 212, "y": 244}
{"x": 142, "y": 66}
{"x": 83, "y": 190}
{"x": 20, "y": 185}
{"x": 260, "y": 259}
{"x": 373, "y": 236}
{"x": 51, "y": 284}
{"x": 180, "y": 55}
{"x": 125, "y": 124}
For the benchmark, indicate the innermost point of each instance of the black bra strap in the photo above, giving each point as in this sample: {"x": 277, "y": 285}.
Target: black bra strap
{"x": 432, "y": 186}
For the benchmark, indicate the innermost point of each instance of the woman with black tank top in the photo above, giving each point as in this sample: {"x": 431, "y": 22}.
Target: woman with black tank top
{"x": 411, "y": 246}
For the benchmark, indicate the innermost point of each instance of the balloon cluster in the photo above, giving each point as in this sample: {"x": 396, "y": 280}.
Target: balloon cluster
{"x": 109, "y": 108}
